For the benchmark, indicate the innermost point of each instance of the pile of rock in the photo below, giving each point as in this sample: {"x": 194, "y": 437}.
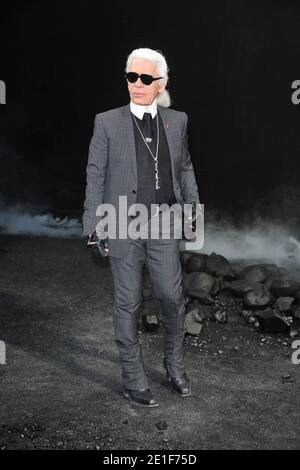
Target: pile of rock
{"x": 262, "y": 293}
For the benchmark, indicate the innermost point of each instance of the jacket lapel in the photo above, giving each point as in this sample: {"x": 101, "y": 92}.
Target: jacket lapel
{"x": 129, "y": 136}
{"x": 169, "y": 135}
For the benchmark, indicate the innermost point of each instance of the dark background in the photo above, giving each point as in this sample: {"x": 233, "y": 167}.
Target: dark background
{"x": 231, "y": 64}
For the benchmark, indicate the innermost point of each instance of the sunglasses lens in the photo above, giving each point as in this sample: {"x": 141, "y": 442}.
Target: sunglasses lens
{"x": 146, "y": 79}
{"x": 132, "y": 77}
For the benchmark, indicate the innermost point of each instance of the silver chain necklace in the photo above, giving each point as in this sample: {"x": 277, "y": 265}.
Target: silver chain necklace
{"x": 155, "y": 158}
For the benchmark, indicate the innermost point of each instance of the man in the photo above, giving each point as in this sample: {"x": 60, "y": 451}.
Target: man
{"x": 140, "y": 151}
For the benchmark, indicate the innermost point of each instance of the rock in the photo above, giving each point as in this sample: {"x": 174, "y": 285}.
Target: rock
{"x": 225, "y": 296}
{"x": 251, "y": 320}
{"x": 253, "y": 274}
{"x": 239, "y": 287}
{"x": 248, "y": 315}
{"x": 263, "y": 272}
{"x": 259, "y": 297}
{"x": 184, "y": 256}
{"x": 191, "y": 305}
{"x": 284, "y": 287}
{"x": 199, "y": 311}
{"x": 147, "y": 293}
{"x": 287, "y": 378}
{"x": 200, "y": 295}
{"x": 220, "y": 316}
{"x": 204, "y": 311}
{"x": 198, "y": 315}
{"x": 284, "y": 304}
{"x": 217, "y": 286}
{"x": 297, "y": 296}
{"x": 150, "y": 322}
{"x": 273, "y": 271}
{"x": 271, "y": 322}
{"x": 192, "y": 325}
{"x": 296, "y": 314}
{"x": 199, "y": 280}
{"x": 293, "y": 333}
{"x": 198, "y": 286}
{"x": 185, "y": 278}
{"x": 162, "y": 425}
{"x": 195, "y": 263}
{"x": 219, "y": 266}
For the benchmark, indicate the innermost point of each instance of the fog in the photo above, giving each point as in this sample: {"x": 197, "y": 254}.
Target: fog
{"x": 16, "y": 222}
{"x": 260, "y": 240}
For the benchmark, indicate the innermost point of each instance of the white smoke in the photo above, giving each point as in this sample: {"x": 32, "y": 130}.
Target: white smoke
{"x": 262, "y": 241}
{"x": 15, "y": 221}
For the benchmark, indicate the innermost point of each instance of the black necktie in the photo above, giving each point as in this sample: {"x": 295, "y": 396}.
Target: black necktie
{"x": 147, "y": 126}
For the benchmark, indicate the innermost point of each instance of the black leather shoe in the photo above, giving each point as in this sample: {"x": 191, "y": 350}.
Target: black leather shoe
{"x": 143, "y": 397}
{"x": 181, "y": 383}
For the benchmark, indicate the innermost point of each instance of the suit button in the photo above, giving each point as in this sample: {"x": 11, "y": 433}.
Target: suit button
{"x": 134, "y": 191}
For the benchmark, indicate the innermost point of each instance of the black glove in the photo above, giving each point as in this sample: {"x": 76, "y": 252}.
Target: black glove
{"x": 98, "y": 248}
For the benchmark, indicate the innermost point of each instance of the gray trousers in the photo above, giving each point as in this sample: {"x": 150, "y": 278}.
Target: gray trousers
{"x": 162, "y": 258}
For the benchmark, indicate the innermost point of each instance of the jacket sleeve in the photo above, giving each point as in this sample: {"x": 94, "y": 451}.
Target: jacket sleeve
{"x": 188, "y": 185}
{"x": 95, "y": 176}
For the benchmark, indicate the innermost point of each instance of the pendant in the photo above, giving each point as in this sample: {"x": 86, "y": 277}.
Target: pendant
{"x": 157, "y": 181}
{"x": 148, "y": 139}
{"x": 156, "y": 176}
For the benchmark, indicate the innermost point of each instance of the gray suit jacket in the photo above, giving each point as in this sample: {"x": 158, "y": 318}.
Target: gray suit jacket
{"x": 112, "y": 169}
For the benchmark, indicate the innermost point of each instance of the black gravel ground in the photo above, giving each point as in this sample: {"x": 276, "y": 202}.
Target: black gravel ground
{"x": 61, "y": 385}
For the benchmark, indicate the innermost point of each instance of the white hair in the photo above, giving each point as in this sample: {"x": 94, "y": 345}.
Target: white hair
{"x": 159, "y": 60}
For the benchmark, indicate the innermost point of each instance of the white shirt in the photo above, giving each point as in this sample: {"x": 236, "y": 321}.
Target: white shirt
{"x": 138, "y": 109}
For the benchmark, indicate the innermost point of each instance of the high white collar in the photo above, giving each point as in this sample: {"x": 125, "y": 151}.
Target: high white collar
{"x": 138, "y": 109}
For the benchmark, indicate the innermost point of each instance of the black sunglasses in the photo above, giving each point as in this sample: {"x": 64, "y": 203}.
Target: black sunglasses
{"x": 132, "y": 77}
